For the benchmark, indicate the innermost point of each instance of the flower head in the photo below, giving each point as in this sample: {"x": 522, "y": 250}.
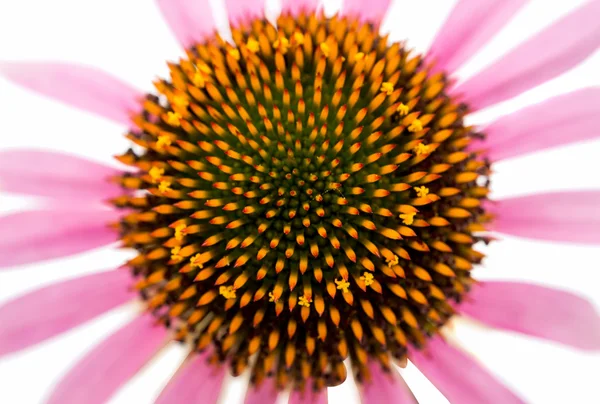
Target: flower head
{"x": 285, "y": 169}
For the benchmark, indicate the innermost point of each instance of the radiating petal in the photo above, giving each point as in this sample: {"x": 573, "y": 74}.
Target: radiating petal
{"x": 86, "y": 88}
{"x": 46, "y": 312}
{"x": 458, "y": 377}
{"x": 471, "y": 24}
{"x": 568, "y": 118}
{"x": 556, "y": 216}
{"x": 197, "y": 381}
{"x": 308, "y": 396}
{"x": 295, "y": 7}
{"x": 95, "y": 378}
{"x": 190, "y": 20}
{"x": 33, "y": 236}
{"x": 535, "y": 310}
{"x": 385, "y": 387}
{"x": 55, "y": 175}
{"x": 242, "y": 11}
{"x": 543, "y": 57}
{"x": 371, "y": 11}
{"x": 266, "y": 393}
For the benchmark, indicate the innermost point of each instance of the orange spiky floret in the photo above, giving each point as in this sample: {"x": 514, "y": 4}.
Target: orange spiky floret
{"x": 309, "y": 198}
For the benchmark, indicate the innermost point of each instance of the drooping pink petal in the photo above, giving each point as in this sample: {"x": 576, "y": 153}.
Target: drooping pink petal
{"x": 95, "y": 378}
{"x": 385, "y": 387}
{"x": 86, "y": 88}
{"x": 266, "y": 393}
{"x": 543, "y": 57}
{"x": 33, "y": 236}
{"x": 471, "y": 24}
{"x": 568, "y": 118}
{"x": 308, "y": 396}
{"x": 46, "y": 312}
{"x": 190, "y": 20}
{"x": 295, "y": 7}
{"x": 55, "y": 175}
{"x": 243, "y": 11}
{"x": 458, "y": 377}
{"x": 535, "y": 310}
{"x": 197, "y": 381}
{"x": 371, "y": 11}
{"x": 556, "y": 216}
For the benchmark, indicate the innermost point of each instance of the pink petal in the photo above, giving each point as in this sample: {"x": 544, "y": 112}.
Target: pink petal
{"x": 56, "y": 175}
{"x": 190, "y": 20}
{"x": 568, "y": 118}
{"x": 32, "y": 236}
{"x": 458, "y": 377}
{"x": 557, "y": 216}
{"x": 266, "y": 393}
{"x": 469, "y": 27}
{"x": 296, "y": 7}
{"x": 46, "y": 312}
{"x": 385, "y": 387}
{"x": 95, "y": 378}
{"x": 308, "y": 396}
{"x": 535, "y": 310}
{"x": 372, "y": 11}
{"x": 244, "y": 11}
{"x": 197, "y": 381}
{"x": 543, "y": 57}
{"x": 82, "y": 87}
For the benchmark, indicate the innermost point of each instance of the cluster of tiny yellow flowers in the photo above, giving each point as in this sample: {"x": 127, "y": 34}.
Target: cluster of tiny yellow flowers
{"x": 343, "y": 285}
{"x": 415, "y": 126}
{"x": 305, "y": 301}
{"x": 367, "y": 278}
{"x": 392, "y": 261}
{"x": 228, "y": 292}
{"x": 163, "y": 141}
{"x": 174, "y": 118}
{"x": 175, "y": 254}
{"x": 422, "y": 191}
{"x": 387, "y": 88}
{"x": 180, "y": 230}
{"x": 408, "y": 218}
{"x": 156, "y": 174}
{"x": 422, "y": 148}
{"x": 196, "y": 262}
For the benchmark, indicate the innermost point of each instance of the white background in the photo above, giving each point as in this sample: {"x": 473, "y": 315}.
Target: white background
{"x": 129, "y": 39}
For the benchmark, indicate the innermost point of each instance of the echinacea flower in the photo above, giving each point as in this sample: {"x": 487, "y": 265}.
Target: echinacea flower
{"x": 303, "y": 196}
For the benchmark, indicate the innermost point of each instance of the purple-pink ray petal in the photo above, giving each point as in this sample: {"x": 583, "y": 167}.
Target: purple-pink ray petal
{"x": 241, "y": 12}
{"x": 471, "y": 24}
{"x": 459, "y": 377}
{"x": 56, "y": 175}
{"x": 535, "y": 310}
{"x": 308, "y": 395}
{"x": 266, "y": 393}
{"x": 190, "y": 20}
{"x": 197, "y": 381}
{"x": 46, "y": 312}
{"x": 385, "y": 387}
{"x": 295, "y": 7}
{"x": 556, "y": 216}
{"x": 553, "y": 51}
{"x": 96, "y": 377}
{"x": 83, "y": 87}
{"x": 372, "y": 11}
{"x": 564, "y": 119}
{"x": 38, "y": 235}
